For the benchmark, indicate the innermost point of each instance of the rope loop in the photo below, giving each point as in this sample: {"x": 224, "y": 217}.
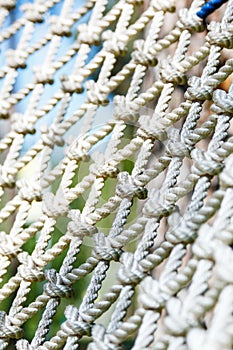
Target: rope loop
{"x": 28, "y": 269}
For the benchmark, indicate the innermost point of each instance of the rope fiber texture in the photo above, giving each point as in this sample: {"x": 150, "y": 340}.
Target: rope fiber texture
{"x": 116, "y": 176}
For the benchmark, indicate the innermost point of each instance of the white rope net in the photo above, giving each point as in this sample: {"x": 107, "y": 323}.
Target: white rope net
{"x": 116, "y": 177}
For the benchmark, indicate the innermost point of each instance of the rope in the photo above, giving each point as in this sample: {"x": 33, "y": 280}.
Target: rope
{"x": 116, "y": 175}
{"x": 209, "y": 7}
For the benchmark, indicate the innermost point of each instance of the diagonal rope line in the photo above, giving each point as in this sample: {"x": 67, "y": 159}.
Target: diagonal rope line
{"x": 116, "y": 174}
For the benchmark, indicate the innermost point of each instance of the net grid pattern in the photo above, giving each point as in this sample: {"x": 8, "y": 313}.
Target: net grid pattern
{"x": 180, "y": 268}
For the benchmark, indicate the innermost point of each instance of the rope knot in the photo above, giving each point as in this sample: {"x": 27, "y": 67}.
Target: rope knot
{"x": 96, "y": 93}
{"x": 203, "y": 247}
{"x": 150, "y": 128}
{"x": 8, "y": 4}
{"x": 58, "y": 285}
{"x": 163, "y": 6}
{"x": 7, "y": 175}
{"x": 223, "y": 102}
{"x": 219, "y": 36}
{"x": 5, "y": 106}
{"x": 29, "y": 191}
{"x": 152, "y": 297}
{"x": 23, "y": 344}
{"x": 190, "y": 21}
{"x": 176, "y": 323}
{"x": 21, "y": 125}
{"x": 104, "y": 249}
{"x": 16, "y": 58}
{"x": 51, "y": 136}
{"x": 98, "y": 333}
{"x": 73, "y": 326}
{"x": 170, "y": 72}
{"x": 34, "y": 12}
{"x": 7, "y": 330}
{"x": 182, "y": 234}
{"x": 28, "y": 269}
{"x": 135, "y": 2}
{"x": 70, "y": 84}
{"x": 198, "y": 92}
{"x": 60, "y": 26}
{"x": 8, "y": 246}
{"x": 153, "y": 208}
{"x": 89, "y": 35}
{"x": 43, "y": 76}
{"x": 127, "y": 188}
{"x": 78, "y": 149}
{"x": 125, "y": 110}
{"x": 113, "y": 44}
{"x": 130, "y": 272}
{"x": 54, "y": 206}
{"x": 106, "y": 171}
{"x": 141, "y": 55}
{"x": 204, "y": 163}
{"x": 175, "y": 147}
{"x": 77, "y": 227}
